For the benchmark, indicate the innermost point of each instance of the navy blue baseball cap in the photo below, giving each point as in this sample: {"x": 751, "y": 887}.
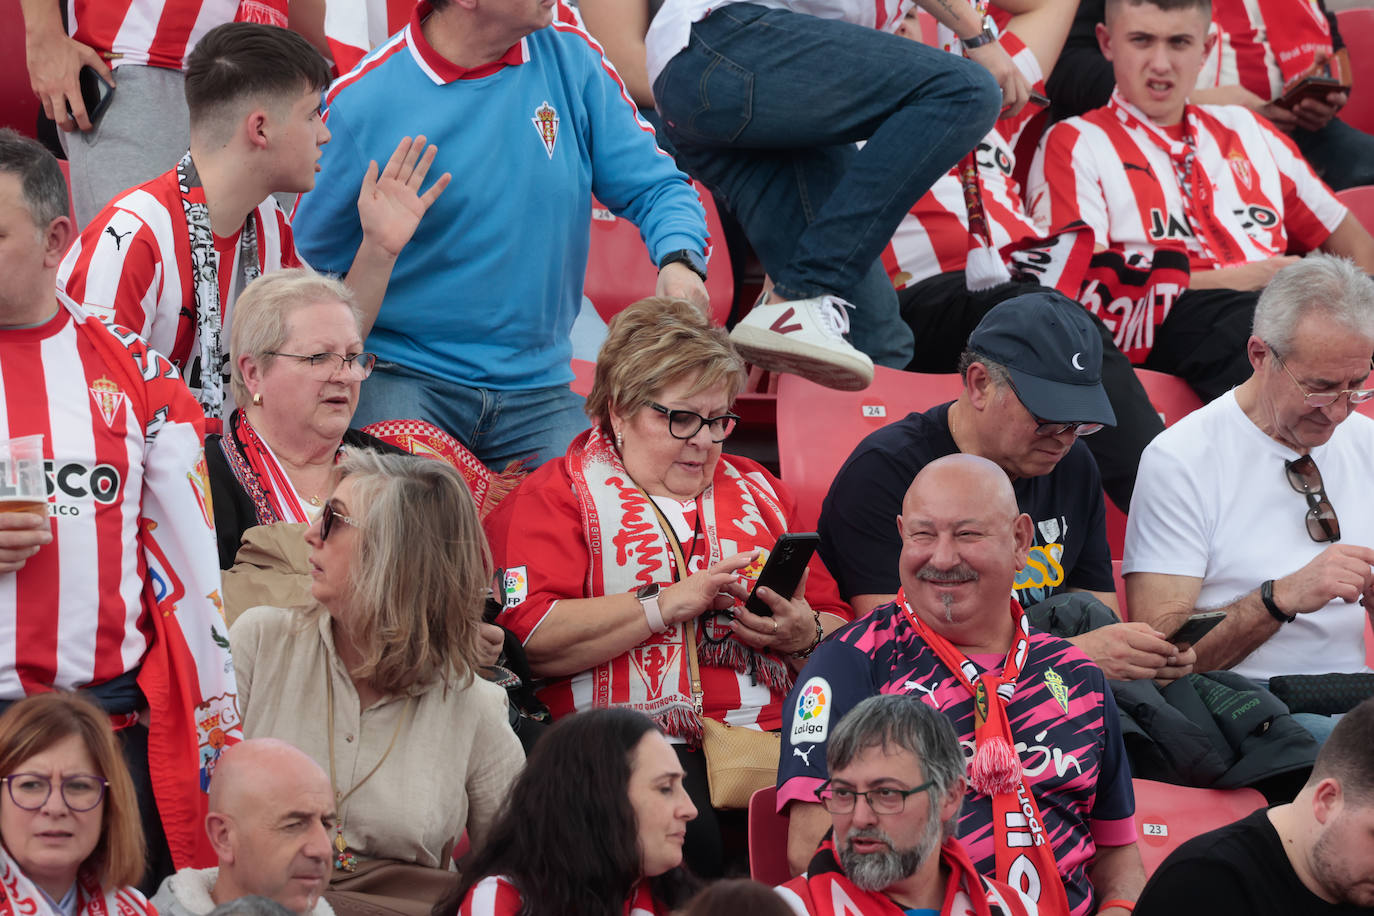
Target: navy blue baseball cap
{"x": 1054, "y": 355}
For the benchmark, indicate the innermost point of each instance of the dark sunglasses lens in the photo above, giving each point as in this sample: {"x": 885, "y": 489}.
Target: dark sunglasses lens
{"x": 1322, "y": 524}
{"x": 326, "y": 521}
{"x": 1303, "y": 475}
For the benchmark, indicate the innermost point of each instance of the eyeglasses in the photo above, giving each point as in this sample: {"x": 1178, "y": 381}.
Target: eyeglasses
{"x": 327, "y": 518}
{"x": 1325, "y": 398}
{"x": 885, "y": 800}
{"x": 1304, "y": 477}
{"x": 1055, "y": 428}
{"x": 31, "y": 791}
{"x": 684, "y": 424}
{"x": 326, "y": 364}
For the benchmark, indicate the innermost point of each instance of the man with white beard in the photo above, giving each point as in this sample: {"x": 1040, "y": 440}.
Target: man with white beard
{"x": 897, "y": 783}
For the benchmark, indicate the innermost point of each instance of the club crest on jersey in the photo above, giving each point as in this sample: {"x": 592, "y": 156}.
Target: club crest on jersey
{"x": 200, "y": 486}
{"x": 545, "y": 121}
{"x": 1057, "y": 689}
{"x": 1240, "y": 167}
{"x": 108, "y": 398}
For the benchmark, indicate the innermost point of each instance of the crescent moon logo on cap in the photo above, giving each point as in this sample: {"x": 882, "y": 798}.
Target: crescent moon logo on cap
{"x": 1074, "y": 361}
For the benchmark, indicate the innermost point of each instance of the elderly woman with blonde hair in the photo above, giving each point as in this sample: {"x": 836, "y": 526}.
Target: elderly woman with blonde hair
{"x": 375, "y": 680}
{"x": 590, "y": 546}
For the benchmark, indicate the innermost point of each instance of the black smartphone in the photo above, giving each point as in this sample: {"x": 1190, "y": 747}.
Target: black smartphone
{"x": 1311, "y": 87}
{"x": 784, "y": 569}
{"x": 96, "y": 94}
{"x": 1040, "y": 99}
{"x": 1196, "y": 627}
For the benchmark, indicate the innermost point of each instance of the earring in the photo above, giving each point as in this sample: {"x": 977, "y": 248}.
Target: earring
{"x": 257, "y": 399}
{"x": 619, "y": 441}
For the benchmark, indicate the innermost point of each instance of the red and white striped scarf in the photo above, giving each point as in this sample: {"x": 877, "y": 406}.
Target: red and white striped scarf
{"x": 630, "y": 549}
{"x": 21, "y": 897}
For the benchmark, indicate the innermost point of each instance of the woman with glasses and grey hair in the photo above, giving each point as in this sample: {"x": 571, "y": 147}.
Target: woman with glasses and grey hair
{"x": 297, "y": 361}
{"x": 638, "y": 548}
{"x": 375, "y": 679}
{"x": 69, "y": 817}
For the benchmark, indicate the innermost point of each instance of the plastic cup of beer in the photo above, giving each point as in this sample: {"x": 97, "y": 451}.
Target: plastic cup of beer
{"x": 23, "y": 485}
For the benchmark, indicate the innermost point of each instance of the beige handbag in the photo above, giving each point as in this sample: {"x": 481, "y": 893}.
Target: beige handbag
{"x": 739, "y": 761}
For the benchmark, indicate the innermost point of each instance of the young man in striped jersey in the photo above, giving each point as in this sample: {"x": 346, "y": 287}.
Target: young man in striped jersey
{"x": 1151, "y": 172}
{"x": 114, "y": 588}
{"x": 168, "y": 258}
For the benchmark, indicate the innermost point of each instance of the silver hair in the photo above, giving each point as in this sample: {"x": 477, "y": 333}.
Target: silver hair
{"x": 901, "y": 721}
{"x": 1324, "y": 285}
{"x": 996, "y": 371}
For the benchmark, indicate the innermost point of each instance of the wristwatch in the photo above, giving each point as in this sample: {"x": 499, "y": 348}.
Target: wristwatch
{"x": 648, "y": 597}
{"x": 692, "y": 259}
{"x": 985, "y": 37}
{"x": 1267, "y": 596}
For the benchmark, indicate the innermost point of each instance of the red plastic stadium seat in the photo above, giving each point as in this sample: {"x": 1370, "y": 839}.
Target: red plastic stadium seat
{"x": 1360, "y": 200}
{"x": 767, "y": 838}
{"x": 1173, "y": 400}
{"x": 1120, "y": 591}
{"x": 1167, "y": 815}
{"x": 818, "y": 427}
{"x": 1357, "y": 29}
{"x": 620, "y": 273}
{"x": 584, "y": 370}
{"x": 18, "y": 105}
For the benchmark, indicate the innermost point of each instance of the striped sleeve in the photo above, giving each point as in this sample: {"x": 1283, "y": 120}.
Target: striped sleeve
{"x": 1064, "y": 185}
{"x": 492, "y": 896}
{"x": 1311, "y": 212}
{"x": 115, "y": 270}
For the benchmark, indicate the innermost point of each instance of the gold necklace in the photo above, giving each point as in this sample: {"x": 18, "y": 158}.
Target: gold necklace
{"x": 343, "y": 859}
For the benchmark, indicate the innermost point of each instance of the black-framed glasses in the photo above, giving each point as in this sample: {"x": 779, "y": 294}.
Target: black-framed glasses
{"x": 1304, "y": 477}
{"x": 31, "y": 791}
{"x": 1044, "y": 427}
{"x": 328, "y": 516}
{"x": 326, "y": 364}
{"x": 883, "y": 800}
{"x": 684, "y": 424}
{"x": 1324, "y": 398}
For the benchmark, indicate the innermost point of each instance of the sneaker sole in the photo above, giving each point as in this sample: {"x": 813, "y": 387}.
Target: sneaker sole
{"x": 778, "y": 353}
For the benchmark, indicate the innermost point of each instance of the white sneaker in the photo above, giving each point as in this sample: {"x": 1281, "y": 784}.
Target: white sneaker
{"x": 804, "y": 337}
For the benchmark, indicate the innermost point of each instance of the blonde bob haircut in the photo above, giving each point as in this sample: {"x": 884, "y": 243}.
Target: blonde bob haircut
{"x": 262, "y": 316}
{"x": 36, "y": 723}
{"x": 420, "y": 572}
{"x": 653, "y": 344}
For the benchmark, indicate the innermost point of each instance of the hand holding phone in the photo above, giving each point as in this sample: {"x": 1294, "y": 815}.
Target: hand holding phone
{"x": 783, "y": 570}
{"x": 1196, "y": 627}
{"x": 96, "y": 94}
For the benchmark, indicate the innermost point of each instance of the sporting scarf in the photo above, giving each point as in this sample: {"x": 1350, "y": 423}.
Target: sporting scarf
{"x": 629, "y": 549}
{"x": 995, "y": 770}
{"x": 429, "y": 441}
{"x": 825, "y": 890}
{"x": 205, "y": 282}
{"x": 22, "y": 897}
{"x": 257, "y": 470}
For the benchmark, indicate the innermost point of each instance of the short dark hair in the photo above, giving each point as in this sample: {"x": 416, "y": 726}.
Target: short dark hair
{"x": 1112, "y": 6}
{"x": 566, "y": 836}
{"x": 240, "y": 60}
{"x": 40, "y": 177}
{"x": 1347, "y": 757}
{"x": 901, "y": 720}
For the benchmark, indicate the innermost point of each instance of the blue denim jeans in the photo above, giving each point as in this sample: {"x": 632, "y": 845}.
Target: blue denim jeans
{"x": 1341, "y": 155}
{"x": 496, "y": 426}
{"x": 765, "y": 106}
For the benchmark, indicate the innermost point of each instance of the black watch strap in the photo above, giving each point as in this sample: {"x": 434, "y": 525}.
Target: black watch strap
{"x": 1267, "y": 596}
{"x": 685, "y": 256}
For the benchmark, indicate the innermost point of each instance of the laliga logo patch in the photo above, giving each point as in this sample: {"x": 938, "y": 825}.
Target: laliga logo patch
{"x": 545, "y": 121}
{"x": 516, "y": 585}
{"x": 811, "y": 723}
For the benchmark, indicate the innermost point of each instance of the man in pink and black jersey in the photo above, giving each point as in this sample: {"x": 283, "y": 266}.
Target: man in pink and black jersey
{"x": 168, "y": 258}
{"x": 1049, "y": 807}
{"x": 1216, "y": 185}
{"x": 114, "y": 588}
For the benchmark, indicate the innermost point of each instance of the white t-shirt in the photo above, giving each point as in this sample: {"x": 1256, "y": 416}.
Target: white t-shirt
{"x": 1212, "y": 500}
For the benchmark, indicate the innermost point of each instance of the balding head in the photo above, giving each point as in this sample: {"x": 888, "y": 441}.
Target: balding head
{"x": 963, "y": 540}
{"x": 271, "y": 810}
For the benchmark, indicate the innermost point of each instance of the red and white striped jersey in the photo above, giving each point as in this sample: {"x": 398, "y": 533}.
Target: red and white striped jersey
{"x": 128, "y": 501}
{"x": 1253, "y": 196}
{"x": 1263, "y": 44}
{"x": 131, "y": 266}
{"x": 354, "y": 27}
{"x": 933, "y": 238}
{"x": 496, "y": 896}
{"x": 159, "y": 33}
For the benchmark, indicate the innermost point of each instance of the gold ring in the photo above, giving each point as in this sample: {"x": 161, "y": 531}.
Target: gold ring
{"x": 775, "y": 628}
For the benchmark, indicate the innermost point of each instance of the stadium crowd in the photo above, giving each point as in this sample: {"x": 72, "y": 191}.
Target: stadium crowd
{"x": 324, "y": 590}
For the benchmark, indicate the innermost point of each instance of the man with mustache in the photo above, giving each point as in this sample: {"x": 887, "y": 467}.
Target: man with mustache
{"x": 1032, "y": 376}
{"x": 897, "y": 783}
{"x": 271, "y": 820}
{"x": 1049, "y": 807}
